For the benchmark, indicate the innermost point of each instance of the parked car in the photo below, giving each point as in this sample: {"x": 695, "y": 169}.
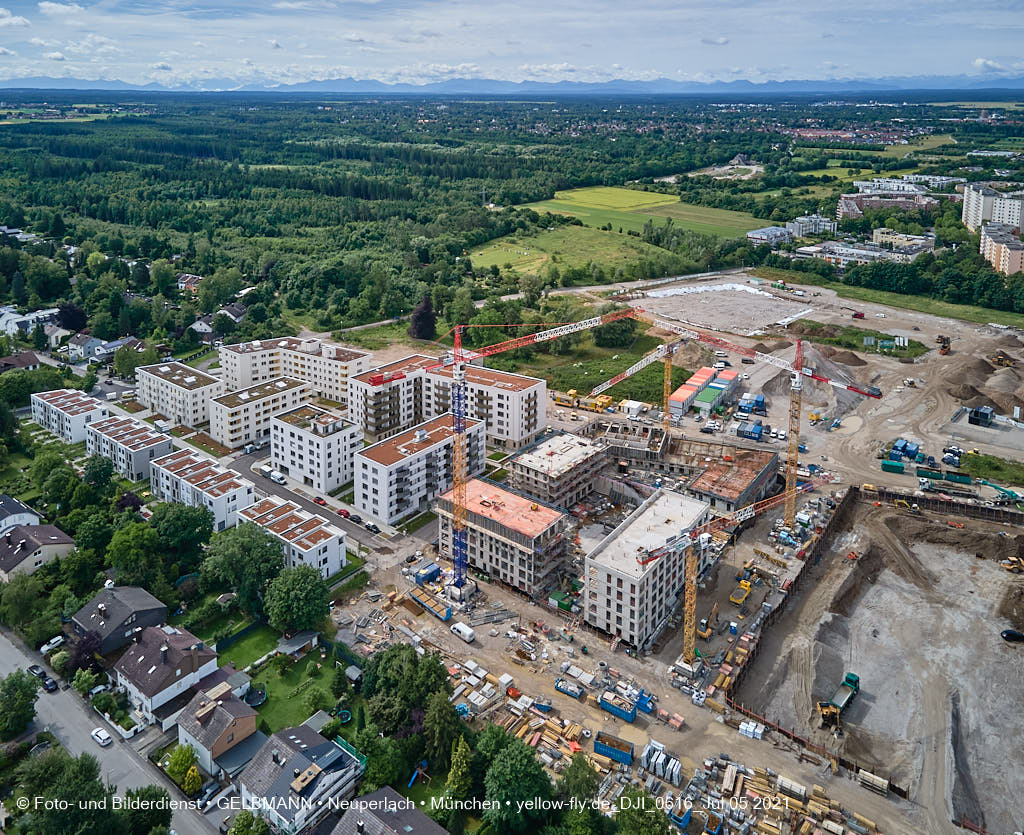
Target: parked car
{"x": 37, "y": 671}
{"x": 52, "y": 644}
{"x": 370, "y": 526}
{"x": 49, "y": 685}
{"x": 103, "y": 739}
{"x": 99, "y": 688}
{"x": 320, "y": 500}
{"x": 356, "y": 518}
{"x": 345, "y": 513}
{"x": 411, "y": 559}
{"x": 1012, "y": 635}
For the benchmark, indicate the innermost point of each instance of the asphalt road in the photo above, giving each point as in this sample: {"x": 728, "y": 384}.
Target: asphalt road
{"x": 65, "y": 715}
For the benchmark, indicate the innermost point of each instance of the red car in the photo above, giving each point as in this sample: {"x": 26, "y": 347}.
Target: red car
{"x": 320, "y": 500}
{"x": 344, "y": 512}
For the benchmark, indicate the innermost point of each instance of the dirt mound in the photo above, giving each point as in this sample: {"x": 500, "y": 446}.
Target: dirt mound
{"x": 865, "y": 572}
{"x": 977, "y": 371}
{"x": 1011, "y": 606}
{"x": 761, "y": 348}
{"x": 1004, "y": 381}
{"x": 777, "y": 385}
{"x": 782, "y": 345}
{"x": 963, "y": 392}
{"x": 848, "y": 358}
{"x": 1008, "y": 341}
{"x": 984, "y": 545}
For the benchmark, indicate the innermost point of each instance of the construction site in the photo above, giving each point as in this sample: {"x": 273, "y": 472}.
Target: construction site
{"x": 794, "y": 629}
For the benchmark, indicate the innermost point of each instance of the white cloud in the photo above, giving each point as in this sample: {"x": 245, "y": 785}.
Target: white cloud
{"x": 92, "y": 44}
{"x": 8, "y": 19}
{"x": 162, "y": 67}
{"x": 55, "y": 56}
{"x": 987, "y": 65}
{"x": 5, "y": 51}
{"x": 720, "y": 41}
{"x": 59, "y": 9}
{"x": 275, "y": 44}
{"x": 43, "y": 42}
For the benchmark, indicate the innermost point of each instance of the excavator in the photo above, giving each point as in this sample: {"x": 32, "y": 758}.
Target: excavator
{"x": 706, "y": 627}
{"x": 1015, "y": 565}
{"x": 829, "y": 714}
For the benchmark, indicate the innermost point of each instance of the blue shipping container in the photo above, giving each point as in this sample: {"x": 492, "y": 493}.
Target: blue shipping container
{"x": 899, "y": 445}
{"x": 614, "y": 748}
{"x": 618, "y": 706}
{"x": 428, "y": 574}
{"x": 895, "y": 456}
{"x": 910, "y": 450}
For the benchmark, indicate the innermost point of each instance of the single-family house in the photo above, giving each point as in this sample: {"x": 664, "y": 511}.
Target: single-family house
{"x": 161, "y": 663}
{"x": 116, "y": 613}
{"x": 214, "y": 722}
{"x": 23, "y": 359}
{"x": 385, "y": 812}
{"x": 25, "y": 548}
{"x": 83, "y": 346}
{"x": 15, "y": 512}
{"x": 234, "y": 311}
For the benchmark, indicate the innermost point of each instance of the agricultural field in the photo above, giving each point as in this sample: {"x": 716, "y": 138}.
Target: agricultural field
{"x": 626, "y": 209}
{"x": 566, "y": 246}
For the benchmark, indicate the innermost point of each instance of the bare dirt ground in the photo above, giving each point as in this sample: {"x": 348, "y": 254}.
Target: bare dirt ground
{"x": 730, "y": 172}
{"x": 919, "y": 623}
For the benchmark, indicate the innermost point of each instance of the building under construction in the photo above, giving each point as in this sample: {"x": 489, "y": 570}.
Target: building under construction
{"x": 560, "y": 470}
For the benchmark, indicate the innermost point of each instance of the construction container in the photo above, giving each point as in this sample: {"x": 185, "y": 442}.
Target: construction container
{"x": 899, "y": 446}
{"x": 911, "y": 450}
{"x": 892, "y": 466}
{"x": 570, "y": 688}
{"x": 560, "y": 600}
{"x": 617, "y": 706}
{"x": 428, "y": 573}
{"x": 614, "y": 748}
{"x": 959, "y": 478}
{"x": 432, "y": 604}
{"x": 925, "y": 472}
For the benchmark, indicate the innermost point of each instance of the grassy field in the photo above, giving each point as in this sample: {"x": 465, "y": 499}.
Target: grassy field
{"x": 627, "y": 210}
{"x": 1008, "y": 105}
{"x": 569, "y": 246}
{"x": 965, "y": 312}
{"x": 852, "y": 338}
{"x": 992, "y": 468}
{"x": 284, "y": 707}
{"x": 924, "y": 143}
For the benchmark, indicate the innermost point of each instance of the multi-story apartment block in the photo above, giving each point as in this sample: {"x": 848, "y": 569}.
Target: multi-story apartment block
{"x": 983, "y": 204}
{"x": 394, "y": 397}
{"x": 190, "y": 478}
{"x": 66, "y": 413}
{"x": 325, "y": 367}
{"x": 179, "y": 393}
{"x": 886, "y": 185}
{"x": 129, "y": 443}
{"x": 771, "y": 235}
{"x": 810, "y": 225}
{"x": 241, "y": 417}
{"x": 933, "y": 180}
{"x": 631, "y": 600}
{"x": 561, "y": 470}
{"x": 306, "y": 539}
{"x": 314, "y": 446}
{"x": 1002, "y": 247}
{"x": 514, "y": 539}
{"x": 398, "y": 477}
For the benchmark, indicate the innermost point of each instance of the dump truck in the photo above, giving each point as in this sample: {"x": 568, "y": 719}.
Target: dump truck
{"x": 840, "y": 700}
{"x": 740, "y": 593}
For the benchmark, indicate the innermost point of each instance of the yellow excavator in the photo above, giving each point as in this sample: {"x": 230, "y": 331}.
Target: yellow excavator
{"x": 1015, "y": 565}
{"x": 705, "y": 629}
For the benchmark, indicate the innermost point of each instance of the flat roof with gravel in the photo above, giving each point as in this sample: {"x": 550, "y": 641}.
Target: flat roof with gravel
{"x": 180, "y": 375}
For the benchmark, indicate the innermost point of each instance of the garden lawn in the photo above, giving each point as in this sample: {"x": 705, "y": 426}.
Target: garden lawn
{"x": 992, "y": 468}
{"x": 248, "y": 649}
{"x": 417, "y": 522}
{"x": 284, "y": 707}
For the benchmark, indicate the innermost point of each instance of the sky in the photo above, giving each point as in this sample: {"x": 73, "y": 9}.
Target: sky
{"x": 209, "y": 42}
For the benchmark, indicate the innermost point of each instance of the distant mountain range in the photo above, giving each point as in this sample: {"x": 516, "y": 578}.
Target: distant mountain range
{"x": 488, "y": 86}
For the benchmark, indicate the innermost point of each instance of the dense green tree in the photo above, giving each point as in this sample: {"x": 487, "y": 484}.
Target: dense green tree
{"x": 297, "y": 599}
{"x": 182, "y": 533}
{"x": 579, "y": 780}
{"x": 94, "y": 534}
{"x": 132, "y": 552}
{"x": 182, "y": 758}
{"x": 192, "y": 782}
{"x": 39, "y": 340}
{"x": 515, "y": 776}
{"x": 639, "y": 815}
{"x": 460, "y": 779}
{"x": 18, "y": 692}
{"x": 84, "y": 681}
{"x": 21, "y": 600}
{"x": 246, "y": 823}
{"x": 617, "y": 334}
{"x": 143, "y": 821}
{"x": 97, "y": 472}
{"x": 246, "y": 558}
{"x": 441, "y": 728}
{"x": 74, "y": 794}
{"x": 423, "y": 322}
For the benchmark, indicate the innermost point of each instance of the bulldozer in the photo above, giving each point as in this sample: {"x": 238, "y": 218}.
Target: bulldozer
{"x": 1003, "y": 359}
{"x": 1015, "y": 565}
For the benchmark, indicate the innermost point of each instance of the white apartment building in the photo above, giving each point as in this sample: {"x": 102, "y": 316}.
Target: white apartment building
{"x": 306, "y": 539}
{"x": 314, "y": 446}
{"x": 886, "y": 185}
{"x": 933, "y": 180}
{"x": 394, "y": 397}
{"x": 194, "y": 479}
{"x": 179, "y": 393}
{"x": 630, "y": 600}
{"x": 513, "y": 539}
{"x": 325, "y": 367}
{"x": 1002, "y": 248}
{"x": 805, "y": 225}
{"x": 398, "y": 477}
{"x": 983, "y": 204}
{"x": 66, "y": 413}
{"x": 130, "y": 444}
{"x": 241, "y": 417}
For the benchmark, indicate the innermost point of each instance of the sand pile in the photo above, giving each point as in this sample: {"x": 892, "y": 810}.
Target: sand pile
{"x": 761, "y": 348}
{"x": 848, "y": 358}
{"x": 963, "y": 392}
{"x": 1004, "y": 381}
{"x": 827, "y": 351}
{"x": 977, "y": 371}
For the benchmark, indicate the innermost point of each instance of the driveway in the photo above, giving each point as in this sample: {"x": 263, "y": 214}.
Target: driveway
{"x": 66, "y": 716}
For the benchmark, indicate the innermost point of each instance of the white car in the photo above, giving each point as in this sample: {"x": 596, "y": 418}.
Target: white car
{"x": 782, "y": 434}
{"x": 744, "y": 376}
{"x": 52, "y": 644}
{"x": 103, "y": 739}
